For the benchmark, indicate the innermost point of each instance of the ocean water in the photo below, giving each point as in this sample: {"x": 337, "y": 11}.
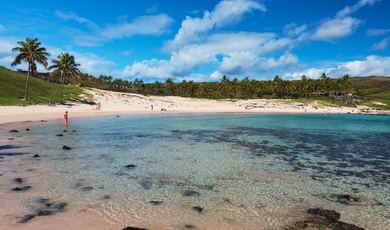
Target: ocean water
{"x": 210, "y": 171}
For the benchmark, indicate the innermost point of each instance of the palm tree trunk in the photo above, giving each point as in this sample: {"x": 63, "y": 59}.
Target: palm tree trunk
{"x": 26, "y": 89}
{"x": 62, "y": 85}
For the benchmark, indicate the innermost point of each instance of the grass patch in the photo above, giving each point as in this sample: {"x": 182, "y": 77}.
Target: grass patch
{"x": 12, "y": 89}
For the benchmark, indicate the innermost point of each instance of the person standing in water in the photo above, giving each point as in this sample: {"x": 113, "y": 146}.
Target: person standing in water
{"x": 66, "y": 116}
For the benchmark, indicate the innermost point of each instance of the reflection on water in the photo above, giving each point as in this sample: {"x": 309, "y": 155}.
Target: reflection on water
{"x": 209, "y": 171}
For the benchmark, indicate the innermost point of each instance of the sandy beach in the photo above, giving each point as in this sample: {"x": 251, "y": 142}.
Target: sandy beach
{"x": 127, "y": 103}
{"x": 114, "y": 103}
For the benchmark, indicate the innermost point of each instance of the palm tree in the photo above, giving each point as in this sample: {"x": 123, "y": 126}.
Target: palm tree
{"x": 66, "y": 66}
{"x": 30, "y": 51}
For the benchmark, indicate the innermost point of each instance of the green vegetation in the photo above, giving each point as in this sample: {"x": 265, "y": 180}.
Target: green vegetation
{"x": 12, "y": 86}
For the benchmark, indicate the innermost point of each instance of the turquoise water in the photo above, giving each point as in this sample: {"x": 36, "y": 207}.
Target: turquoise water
{"x": 244, "y": 171}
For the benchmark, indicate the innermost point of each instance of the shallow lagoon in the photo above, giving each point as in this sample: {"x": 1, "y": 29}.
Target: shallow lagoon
{"x": 244, "y": 171}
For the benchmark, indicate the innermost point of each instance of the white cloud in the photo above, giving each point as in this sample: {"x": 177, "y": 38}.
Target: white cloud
{"x": 382, "y": 45}
{"x": 225, "y": 13}
{"x": 351, "y": 9}
{"x": 75, "y": 17}
{"x": 377, "y": 32}
{"x": 126, "y": 52}
{"x": 336, "y": 28}
{"x": 370, "y": 66}
{"x": 152, "y": 9}
{"x": 144, "y": 25}
{"x": 292, "y": 30}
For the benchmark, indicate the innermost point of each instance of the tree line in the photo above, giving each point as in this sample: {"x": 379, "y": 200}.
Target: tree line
{"x": 226, "y": 88}
{"x": 66, "y": 69}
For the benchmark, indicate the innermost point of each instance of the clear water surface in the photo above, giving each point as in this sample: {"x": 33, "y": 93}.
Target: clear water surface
{"x": 245, "y": 171}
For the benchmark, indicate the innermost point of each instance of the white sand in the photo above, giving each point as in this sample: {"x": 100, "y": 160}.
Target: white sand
{"x": 120, "y": 103}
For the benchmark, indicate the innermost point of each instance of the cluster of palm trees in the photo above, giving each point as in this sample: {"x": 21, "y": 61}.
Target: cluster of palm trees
{"x": 30, "y": 51}
{"x": 227, "y": 88}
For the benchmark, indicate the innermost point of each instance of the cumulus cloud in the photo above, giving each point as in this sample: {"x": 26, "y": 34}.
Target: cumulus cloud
{"x": 336, "y": 28}
{"x": 382, "y": 45}
{"x": 225, "y": 13}
{"x": 370, "y": 66}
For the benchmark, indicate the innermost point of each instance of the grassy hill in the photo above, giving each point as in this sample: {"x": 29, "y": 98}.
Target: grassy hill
{"x": 12, "y": 87}
{"x": 376, "y": 89}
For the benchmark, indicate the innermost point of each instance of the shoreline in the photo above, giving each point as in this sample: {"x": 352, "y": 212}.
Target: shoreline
{"x": 114, "y": 103}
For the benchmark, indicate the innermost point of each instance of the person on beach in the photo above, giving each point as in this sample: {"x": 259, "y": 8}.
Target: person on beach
{"x": 66, "y": 116}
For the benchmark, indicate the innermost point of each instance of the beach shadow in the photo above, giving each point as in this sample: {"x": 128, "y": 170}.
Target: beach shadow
{"x": 7, "y": 147}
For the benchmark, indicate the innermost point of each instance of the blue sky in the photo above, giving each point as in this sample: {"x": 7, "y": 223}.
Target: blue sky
{"x": 205, "y": 39}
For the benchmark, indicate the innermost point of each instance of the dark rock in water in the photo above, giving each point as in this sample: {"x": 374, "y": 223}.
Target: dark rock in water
{"x": 26, "y": 218}
{"x": 66, "y": 147}
{"x": 60, "y": 206}
{"x": 42, "y": 121}
{"x": 1, "y": 157}
{"x": 190, "y": 193}
{"x": 351, "y": 199}
{"x": 106, "y": 197}
{"x": 35, "y": 156}
{"x": 130, "y": 166}
{"x": 155, "y": 202}
{"x": 89, "y": 188}
{"x": 19, "y": 180}
{"x": 328, "y": 214}
{"x": 198, "y": 209}
{"x": 188, "y": 226}
{"x": 13, "y": 131}
{"x": 65, "y": 130}
{"x": 10, "y": 139}
{"x": 24, "y": 188}
{"x": 134, "y": 228}
{"x": 74, "y": 130}
{"x": 322, "y": 219}
{"x": 44, "y": 213}
{"x": 27, "y": 129}
{"x": 117, "y": 116}
{"x": 43, "y": 201}
{"x": 60, "y": 135}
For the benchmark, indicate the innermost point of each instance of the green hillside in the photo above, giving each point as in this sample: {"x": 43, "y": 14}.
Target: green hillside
{"x": 375, "y": 89}
{"x": 12, "y": 87}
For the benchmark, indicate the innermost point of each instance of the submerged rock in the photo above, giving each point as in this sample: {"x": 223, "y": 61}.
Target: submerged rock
{"x": 322, "y": 219}
{"x": 351, "y": 199}
{"x": 24, "y": 188}
{"x": 328, "y": 214}
{"x": 155, "y": 202}
{"x": 134, "y": 228}
{"x": 35, "y": 156}
{"x": 197, "y": 208}
{"x": 190, "y": 193}
{"x": 13, "y": 131}
{"x": 66, "y": 147}
{"x": 26, "y": 218}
